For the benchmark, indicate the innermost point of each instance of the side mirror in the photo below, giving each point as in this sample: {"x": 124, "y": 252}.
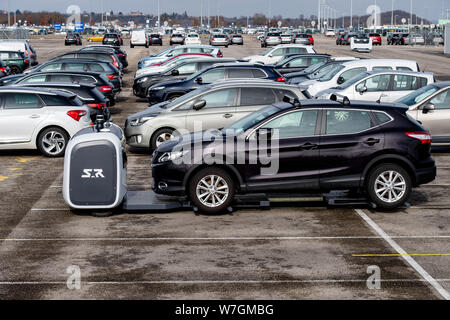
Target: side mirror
{"x": 428, "y": 107}
{"x": 175, "y": 72}
{"x": 264, "y": 134}
{"x": 199, "y": 104}
{"x": 169, "y": 55}
{"x": 362, "y": 89}
{"x": 270, "y": 55}
{"x": 340, "y": 80}
{"x": 199, "y": 80}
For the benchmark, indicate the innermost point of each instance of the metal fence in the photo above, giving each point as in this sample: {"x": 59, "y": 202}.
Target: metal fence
{"x": 16, "y": 33}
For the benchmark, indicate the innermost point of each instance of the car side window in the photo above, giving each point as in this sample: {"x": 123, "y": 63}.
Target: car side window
{"x": 220, "y": 98}
{"x": 297, "y": 62}
{"x": 4, "y": 55}
{"x": 213, "y": 75}
{"x": 60, "y": 78}
{"x": 376, "y": 83}
{"x": 188, "y": 68}
{"x": 84, "y": 79}
{"x": 294, "y": 124}
{"x": 35, "y": 79}
{"x": 404, "y": 82}
{"x": 257, "y": 96}
{"x": 236, "y": 73}
{"x": 352, "y": 72}
{"x": 316, "y": 60}
{"x": 442, "y": 100}
{"x": 278, "y": 52}
{"x": 195, "y": 50}
{"x": 382, "y": 117}
{"x": 22, "y": 101}
{"x": 347, "y": 121}
{"x": 96, "y": 67}
{"x": 51, "y": 100}
{"x": 381, "y": 68}
{"x": 52, "y": 67}
{"x": 296, "y": 50}
{"x": 404, "y": 69}
{"x": 258, "y": 73}
{"x": 75, "y": 67}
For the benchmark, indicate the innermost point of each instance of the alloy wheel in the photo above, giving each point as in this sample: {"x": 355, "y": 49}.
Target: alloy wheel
{"x": 390, "y": 186}
{"x": 212, "y": 191}
{"x": 53, "y": 142}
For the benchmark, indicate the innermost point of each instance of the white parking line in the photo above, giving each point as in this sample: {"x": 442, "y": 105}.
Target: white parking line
{"x": 293, "y": 238}
{"x": 444, "y": 293}
{"x": 187, "y": 282}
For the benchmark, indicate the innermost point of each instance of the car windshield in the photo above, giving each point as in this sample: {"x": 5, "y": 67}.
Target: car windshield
{"x": 327, "y": 72}
{"x": 353, "y": 80}
{"x": 418, "y": 95}
{"x": 251, "y": 120}
{"x": 315, "y": 67}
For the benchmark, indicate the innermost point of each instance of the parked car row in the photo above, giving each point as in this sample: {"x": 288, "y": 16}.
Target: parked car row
{"x": 48, "y": 104}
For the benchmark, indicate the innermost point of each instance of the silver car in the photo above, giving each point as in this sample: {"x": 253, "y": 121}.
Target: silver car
{"x": 212, "y": 106}
{"x": 271, "y": 39}
{"x": 237, "y": 39}
{"x": 219, "y": 40}
{"x": 286, "y": 38}
{"x": 176, "y": 38}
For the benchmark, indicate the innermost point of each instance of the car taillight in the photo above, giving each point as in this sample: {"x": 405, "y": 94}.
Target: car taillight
{"x": 112, "y": 76}
{"x": 2, "y": 69}
{"x": 97, "y": 105}
{"x": 26, "y": 54}
{"x": 115, "y": 61}
{"x": 105, "y": 88}
{"x": 281, "y": 79}
{"x": 212, "y": 39}
{"x": 76, "y": 114}
{"x": 423, "y": 137}
{"x": 116, "y": 39}
{"x": 26, "y": 61}
{"x": 226, "y": 39}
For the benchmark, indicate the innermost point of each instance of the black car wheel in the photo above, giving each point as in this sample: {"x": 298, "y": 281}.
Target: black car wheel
{"x": 160, "y": 136}
{"x": 389, "y": 186}
{"x": 211, "y": 190}
{"x": 52, "y": 142}
{"x": 15, "y": 69}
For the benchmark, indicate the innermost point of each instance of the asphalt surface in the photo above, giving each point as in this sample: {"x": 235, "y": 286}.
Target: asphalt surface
{"x": 304, "y": 252}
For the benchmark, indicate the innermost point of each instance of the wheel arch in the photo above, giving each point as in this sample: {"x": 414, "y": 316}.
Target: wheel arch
{"x": 232, "y": 171}
{"x": 389, "y": 158}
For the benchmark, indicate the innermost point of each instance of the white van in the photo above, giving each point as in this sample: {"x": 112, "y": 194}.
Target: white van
{"x": 138, "y": 38}
{"x": 22, "y": 46}
{"x": 384, "y": 85}
{"x": 336, "y": 74}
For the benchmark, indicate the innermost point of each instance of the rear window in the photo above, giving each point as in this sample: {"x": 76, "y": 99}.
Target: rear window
{"x": 273, "y": 34}
{"x": 51, "y": 100}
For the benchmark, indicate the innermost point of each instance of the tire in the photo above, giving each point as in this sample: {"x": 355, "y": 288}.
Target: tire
{"x": 15, "y": 69}
{"x": 393, "y": 174}
{"x": 131, "y": 46}
{"x": 221, "y": 195}
{"x": 160, "y": 136}
{"x": 173, "y": 97}
{"x": 52, "y": 142}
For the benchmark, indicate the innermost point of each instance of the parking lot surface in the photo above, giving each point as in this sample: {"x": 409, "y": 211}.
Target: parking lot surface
{"x": 299, "y": 252}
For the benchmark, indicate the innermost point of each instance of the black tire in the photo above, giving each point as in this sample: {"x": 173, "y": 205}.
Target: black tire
{"x": 154, "y": 141}
{"x": 205, "y": 174}
{"x": 372, "y": 184}
{"x": 44, "y": 146}
{"x": 131, "y": 46}
{"x": 173, "y": 96}
{"x": 15, "y": 69}
{"x": 226, "y": 46}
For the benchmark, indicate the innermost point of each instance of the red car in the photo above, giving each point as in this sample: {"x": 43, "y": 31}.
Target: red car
{"x": 376, "y": 38}
{"x": 182, "y": 56}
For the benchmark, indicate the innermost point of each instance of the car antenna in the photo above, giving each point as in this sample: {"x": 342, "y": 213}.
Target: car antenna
{"x": 295, "y": 102}
{"x": 379, "y": 99}
{"x": 346, "y": 101}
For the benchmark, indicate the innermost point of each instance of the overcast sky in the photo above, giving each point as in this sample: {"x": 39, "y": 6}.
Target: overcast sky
{"x": 287, "y": 8}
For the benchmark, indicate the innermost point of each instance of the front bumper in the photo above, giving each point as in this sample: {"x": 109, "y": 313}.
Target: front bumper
{"x": 168, "y": 178}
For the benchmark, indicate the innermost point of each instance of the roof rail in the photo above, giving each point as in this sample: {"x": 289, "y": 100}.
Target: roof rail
{"x": 294, "y": 101}
{"x": 344, "y": 100}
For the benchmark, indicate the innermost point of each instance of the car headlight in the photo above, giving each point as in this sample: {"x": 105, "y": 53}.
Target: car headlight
{"x": 157, "y": 88}
{"x": 170, "y": 156}
{"x": 142, "y": 80}
{"x": 141, "y": 120}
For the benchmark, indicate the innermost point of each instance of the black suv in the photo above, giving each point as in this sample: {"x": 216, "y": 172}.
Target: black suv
{"x": 173, "y": 89}
{"x": 73, "y": 38}
{"x": 112, "y": 39}
{"x": 122, "y": 54}
{"x": 299, "y": 62}
{"x": 318, "y": 145}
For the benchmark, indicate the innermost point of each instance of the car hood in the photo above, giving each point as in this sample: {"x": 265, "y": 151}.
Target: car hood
{"x": 153, "y": 110}
{"x": 11, "y": 79}
{"x": 185, "y": 141}
{"x": 149, "y": 71}
{"x": 251, "y": 57}
{"x": 328, "y": 92}
{"x": 167, "y": 83}
{"x": 307, "y": 84}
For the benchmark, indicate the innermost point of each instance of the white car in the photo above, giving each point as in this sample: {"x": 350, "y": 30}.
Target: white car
{"x": 337, "y": 74}
{"x": 385, "y": 86}
{"x": 361, "y": 44}
{"x": 330, "y": 33}
{"x": 273, "y": 55}
{"x": 42, "y": 119}
{"x": 192, "y": 38}
{"x": 138, "y": 38}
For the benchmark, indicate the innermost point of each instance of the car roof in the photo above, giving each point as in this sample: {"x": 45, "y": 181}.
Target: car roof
{"x": 251, "y": 82}
{"x": 442, "y": 84}
{"x": 354, "y": 104}
{"x": 68, "y": 60}
{"x": 55, "y": 84}
{"x": 365, "y": 62}
{"x": 34, "y": 90}
{"x": 243, "y": 64}
{"x": 62, "y": 72}
{"x": 412, "y": 73}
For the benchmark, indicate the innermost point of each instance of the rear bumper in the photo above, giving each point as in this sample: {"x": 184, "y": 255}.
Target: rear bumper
{"x": 425, "y": 175}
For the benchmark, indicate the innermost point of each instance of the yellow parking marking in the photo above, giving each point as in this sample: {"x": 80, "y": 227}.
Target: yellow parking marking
{"x": 400, "y": 255}
{"x": 24, "y": 160}
{"x": 15, "y": 169}
{"x": 3, "y": 178}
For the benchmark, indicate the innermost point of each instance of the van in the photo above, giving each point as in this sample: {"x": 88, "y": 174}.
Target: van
{"x": 22, "y": 46}
{"x": 138, "y": 38}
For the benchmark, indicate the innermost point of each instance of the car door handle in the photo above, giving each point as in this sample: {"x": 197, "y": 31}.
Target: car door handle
{"x": 34, "y": 116}
{"x": 227, "y": 115}
{"x": 371, "y": 141}
{"x": 308, "y": 146}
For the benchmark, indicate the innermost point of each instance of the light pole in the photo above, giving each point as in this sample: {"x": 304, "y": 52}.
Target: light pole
{"x": 351, "y": 13}
{"x": 395, "y": 19}
{"x": 9, "y": 17}
{"x": 201, "y": 13}
{"x": 159, "y": 21}
{"x": 411, "y": 20}
{"x": 270, "y": 10}
{"x": 318, "y": 14}
{"x": 392, "y": 13}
